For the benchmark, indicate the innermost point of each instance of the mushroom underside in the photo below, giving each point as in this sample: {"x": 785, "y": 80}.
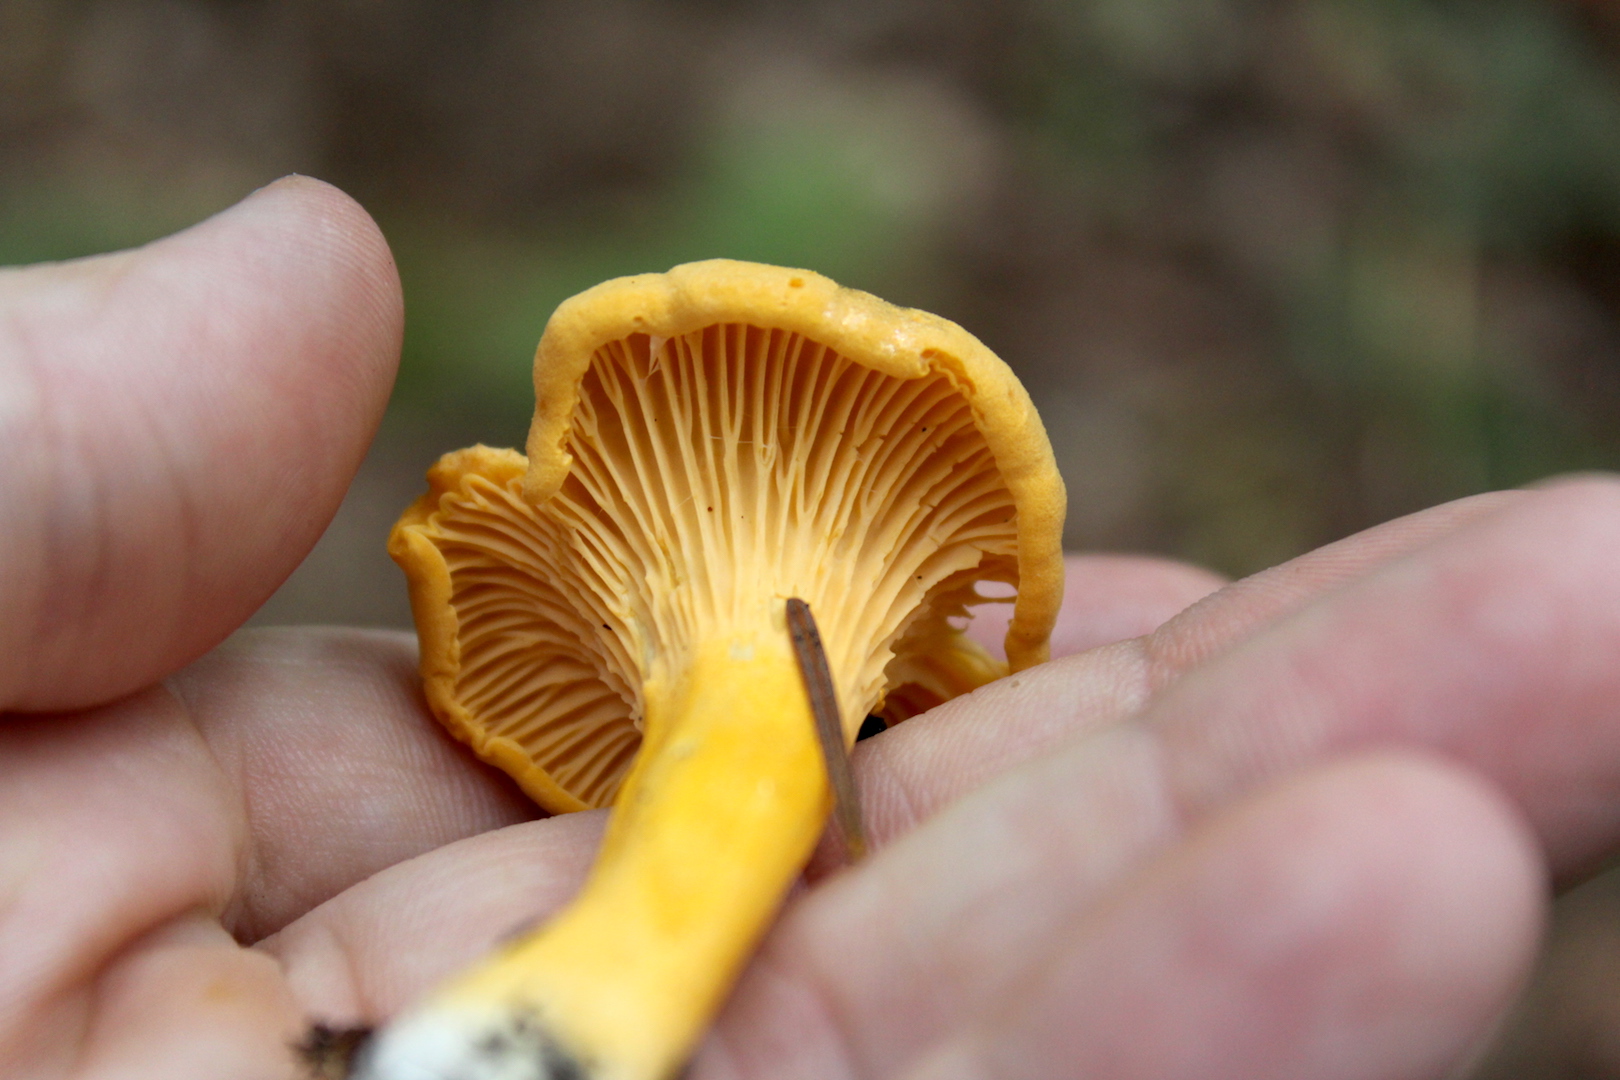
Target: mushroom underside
{"x": 715, "y": 474}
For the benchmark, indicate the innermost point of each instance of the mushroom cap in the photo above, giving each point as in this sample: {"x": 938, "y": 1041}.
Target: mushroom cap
{"x": 705, "y": 444}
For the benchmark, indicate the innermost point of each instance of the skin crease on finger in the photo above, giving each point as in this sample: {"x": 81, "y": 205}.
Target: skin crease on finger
{"x": 179, "y": 423}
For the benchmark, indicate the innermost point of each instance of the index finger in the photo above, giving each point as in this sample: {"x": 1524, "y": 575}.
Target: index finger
{"x": 1496, "y": 646}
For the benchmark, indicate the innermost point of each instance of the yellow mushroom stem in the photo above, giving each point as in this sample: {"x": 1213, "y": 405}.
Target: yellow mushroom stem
{"x": 715, "y": 820}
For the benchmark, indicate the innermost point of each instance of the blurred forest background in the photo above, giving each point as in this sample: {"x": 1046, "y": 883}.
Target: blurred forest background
{"x": 1274, "y": 270}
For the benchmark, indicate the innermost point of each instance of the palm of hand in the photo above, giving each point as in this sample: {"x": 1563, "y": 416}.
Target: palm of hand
{"x": 1298, "y": 830}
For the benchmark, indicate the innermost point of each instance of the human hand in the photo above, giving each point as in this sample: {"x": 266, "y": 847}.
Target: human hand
{"x": 1300, "y": 830}
{"x": 177, "y": 425}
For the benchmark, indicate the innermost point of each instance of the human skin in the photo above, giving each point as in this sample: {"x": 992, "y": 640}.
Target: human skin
{"x": 1305, "y": 827}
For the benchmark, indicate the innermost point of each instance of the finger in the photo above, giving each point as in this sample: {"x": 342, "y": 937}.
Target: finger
{"x": 1360, "y": 901}
{"x": 914, "y": 769}
{"x": 1229, "y": 616}
{"x": 186, "y": 1002}
{"x": 278, "y": 771}
{"x": 1494, "y": 646}
{"x": 363, "y": 955}
{"x": 338, "y": 768}
{"x": 180, "y": 422}
{"x": 1106, "y": 598}
{"x": 907, "y": 774}
{"x": 111, "y": 825}
{"x": 1563, "y": 1024}
{"x": 1366, "y": 921}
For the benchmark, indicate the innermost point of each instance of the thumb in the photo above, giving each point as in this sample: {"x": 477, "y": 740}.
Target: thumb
{"x": 177, "y": 425}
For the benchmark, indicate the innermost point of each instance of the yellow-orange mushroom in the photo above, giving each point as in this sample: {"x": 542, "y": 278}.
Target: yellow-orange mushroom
{"x": 604, "y": 620}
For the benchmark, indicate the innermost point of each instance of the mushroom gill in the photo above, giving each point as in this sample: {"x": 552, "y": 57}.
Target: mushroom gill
{"x": 605, "y": 620}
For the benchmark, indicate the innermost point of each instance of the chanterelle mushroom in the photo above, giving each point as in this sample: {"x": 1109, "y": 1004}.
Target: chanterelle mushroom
{"x": 605, "y": 621}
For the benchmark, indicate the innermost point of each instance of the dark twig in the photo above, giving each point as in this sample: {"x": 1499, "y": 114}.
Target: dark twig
{"x": 829, "y": 727}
